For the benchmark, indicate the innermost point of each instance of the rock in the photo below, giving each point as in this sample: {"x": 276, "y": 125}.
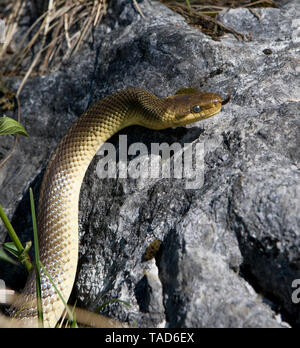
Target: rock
{"x": 230, "y": 245}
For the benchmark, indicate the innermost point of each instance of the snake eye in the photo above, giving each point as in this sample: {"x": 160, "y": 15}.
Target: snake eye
{"x": 196, "y": 109}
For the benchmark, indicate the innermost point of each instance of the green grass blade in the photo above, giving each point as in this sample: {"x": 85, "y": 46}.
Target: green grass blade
{"x": 37, "y": 260}
{"x": 99, "y": 309}
{"x": 74, "y": 323}
{"x": 71, "y": 317}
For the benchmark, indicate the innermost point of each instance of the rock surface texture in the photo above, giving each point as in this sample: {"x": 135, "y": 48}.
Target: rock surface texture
{"x": 230, "y": 247}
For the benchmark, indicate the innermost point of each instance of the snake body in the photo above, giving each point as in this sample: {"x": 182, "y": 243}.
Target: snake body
{"x": 59, "y": 195}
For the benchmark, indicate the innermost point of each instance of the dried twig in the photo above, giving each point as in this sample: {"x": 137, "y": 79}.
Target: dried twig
{"x": 203, "y": 15}
{"x": 12, "y": 24}
{"x": 138, "y": 8}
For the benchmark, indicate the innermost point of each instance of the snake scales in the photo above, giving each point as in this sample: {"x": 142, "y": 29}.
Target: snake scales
{"x": 59, "y": 194}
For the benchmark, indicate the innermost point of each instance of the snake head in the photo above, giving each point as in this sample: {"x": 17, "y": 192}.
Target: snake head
{"x": 188, "y": 108}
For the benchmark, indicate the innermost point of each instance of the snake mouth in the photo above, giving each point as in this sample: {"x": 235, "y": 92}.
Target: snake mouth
{"x": 225, "y": 101}
{"x": 216, "y": 108}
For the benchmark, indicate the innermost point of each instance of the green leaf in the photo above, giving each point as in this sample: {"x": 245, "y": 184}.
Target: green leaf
{"x": 10, "y": 126}
{"x": 5, "y": 257}
{"x": 11, "y": 248}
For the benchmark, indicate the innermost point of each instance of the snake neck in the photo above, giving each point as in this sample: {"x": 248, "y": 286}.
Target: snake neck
{"x": 129, "y": 107}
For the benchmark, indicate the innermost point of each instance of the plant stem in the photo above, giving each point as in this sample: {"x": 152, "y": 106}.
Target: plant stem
{"x": 14, "y": 237}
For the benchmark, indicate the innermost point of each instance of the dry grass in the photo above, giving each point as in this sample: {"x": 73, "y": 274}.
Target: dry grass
{"x": 202, "y": 13}
{"x": 58, "y": 29}
{"x": 83, "y": 317}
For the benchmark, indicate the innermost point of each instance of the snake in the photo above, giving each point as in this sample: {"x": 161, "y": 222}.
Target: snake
{"x": 57, "y": 218}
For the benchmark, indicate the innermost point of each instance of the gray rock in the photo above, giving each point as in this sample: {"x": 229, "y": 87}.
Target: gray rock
{"x": 230, "y": 246}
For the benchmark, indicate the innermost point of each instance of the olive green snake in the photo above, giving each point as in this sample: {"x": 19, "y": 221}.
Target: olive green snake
{"x": 59, "y": 194}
